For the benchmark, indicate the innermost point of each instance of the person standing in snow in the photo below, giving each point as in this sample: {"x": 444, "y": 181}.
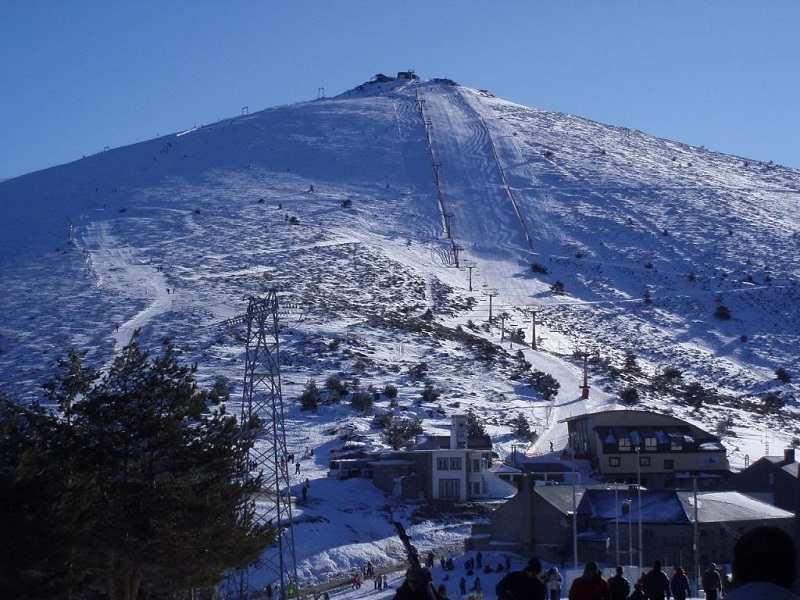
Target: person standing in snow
{"x": 553, "y": 580}
{"x": 680, "y": 584}
{"x": 462, "y": 586}
{"x": 764, "y": 565}
{"x": 620, "y": 587}
{"x": 656, "y": 583}
{"x": 416, "y": 585}
{"x": 712, "y": 584}
{"x": 590, "y": 585}
{"x": 521, "y": 585}
{"x": 477, "y": 587}
{"x": 638, "y": 592}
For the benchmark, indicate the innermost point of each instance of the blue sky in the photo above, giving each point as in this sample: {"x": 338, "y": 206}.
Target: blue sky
{"x": 79, "y": 76}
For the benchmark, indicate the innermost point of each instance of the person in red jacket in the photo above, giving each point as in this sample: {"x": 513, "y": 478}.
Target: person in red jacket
{"x": 590, "y": 585}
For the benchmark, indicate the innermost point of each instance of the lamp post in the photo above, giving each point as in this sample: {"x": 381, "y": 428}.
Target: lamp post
{"x": 574, "y": 506}
{"x": 629, "y": 502}
{"x": 696, "y": 540}
{"x": 616, "y": 525}
{"x": 639, "y": 501}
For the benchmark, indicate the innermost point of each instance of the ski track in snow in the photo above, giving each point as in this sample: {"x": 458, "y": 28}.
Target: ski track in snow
{"x": 208, "y": 214}
{"x": 118, "y": 272}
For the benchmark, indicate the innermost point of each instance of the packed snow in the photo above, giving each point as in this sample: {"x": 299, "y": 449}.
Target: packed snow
{"x": 344, "y": 205}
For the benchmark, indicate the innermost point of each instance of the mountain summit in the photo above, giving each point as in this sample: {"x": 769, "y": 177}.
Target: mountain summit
{"x": 401, "y": 214}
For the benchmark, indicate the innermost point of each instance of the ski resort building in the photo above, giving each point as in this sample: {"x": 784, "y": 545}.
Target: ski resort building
{"x": 647, "y": 448}
{"x": 452, "y": 467}
{"x": 608, "y": 521}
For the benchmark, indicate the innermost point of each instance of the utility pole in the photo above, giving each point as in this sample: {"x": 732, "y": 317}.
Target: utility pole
{"x": 469, "y": 265}
{"x": 585, "y": 387}
{"x": 639, "y": 511}
{"x": 503, "y": 316}
{"x": 491, "y": 294}
{"x": 262, "y": 401}
{"x": 456, "y": 250}
{"x": 696, "y": 542}
{"x": 532, "y": 312}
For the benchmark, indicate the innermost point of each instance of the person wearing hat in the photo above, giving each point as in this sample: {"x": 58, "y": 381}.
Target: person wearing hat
{"x": 522, "y": 585}
{"x": 553, "y": 582}
{"x": 416, "y": 586}
{"x": 590, "y": 585}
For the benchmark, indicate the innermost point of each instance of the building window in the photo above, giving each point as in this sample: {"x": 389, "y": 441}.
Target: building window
{"x": 476, "y": 488}
{"x": 476, "y": 465}
{"x": 613, "y": 461}
{"x": 669, "y": 464}
{"x": 650, "y": 444}
{"x": 644, "y": 461}
{"x": 443, "y": 464}
{"x": 455, "y": 463}
{"x": 676, "y": 443}
{"x": 624, "y": 444}
{"x": 449, "y": 489}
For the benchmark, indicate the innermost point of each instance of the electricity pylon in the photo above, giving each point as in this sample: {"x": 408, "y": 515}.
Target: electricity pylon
{"x": 262, "y": 403}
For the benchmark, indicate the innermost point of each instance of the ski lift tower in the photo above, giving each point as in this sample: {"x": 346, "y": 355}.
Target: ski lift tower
{"x": 262, "y": 401}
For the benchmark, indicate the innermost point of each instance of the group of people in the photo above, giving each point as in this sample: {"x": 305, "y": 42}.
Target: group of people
{"x": 764, "y": 566}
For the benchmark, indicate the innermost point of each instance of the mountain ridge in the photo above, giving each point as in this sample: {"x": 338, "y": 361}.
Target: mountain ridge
{"x": 339, "y": 202}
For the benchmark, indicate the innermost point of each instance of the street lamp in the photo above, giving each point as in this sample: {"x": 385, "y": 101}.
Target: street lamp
{"x": 639, "y": 493}
{"x": 616, "y": 525}
{"x": 629, "y": 504}
{"x": 574, "y": 506}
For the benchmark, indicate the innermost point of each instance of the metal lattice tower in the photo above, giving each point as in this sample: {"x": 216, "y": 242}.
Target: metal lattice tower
{"x": 262, "y": 400}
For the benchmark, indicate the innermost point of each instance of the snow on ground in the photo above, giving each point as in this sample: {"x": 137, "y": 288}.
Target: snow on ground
{"x": 343, "y": 205}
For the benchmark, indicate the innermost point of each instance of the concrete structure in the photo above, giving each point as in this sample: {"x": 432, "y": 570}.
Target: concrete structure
{"x": 538, "y": 521}
{"x": 454, "y": 468}
{"x": 655, "y": 450}
{"x": 772, "y": 479}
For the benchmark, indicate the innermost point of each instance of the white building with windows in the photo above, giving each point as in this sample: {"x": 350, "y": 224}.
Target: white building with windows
{"x": 451, "y": 467}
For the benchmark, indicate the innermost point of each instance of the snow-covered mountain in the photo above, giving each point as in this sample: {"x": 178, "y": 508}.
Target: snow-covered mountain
{"x": 398, "y": 216}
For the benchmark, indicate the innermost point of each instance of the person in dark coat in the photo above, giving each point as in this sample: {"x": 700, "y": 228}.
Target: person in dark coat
{"x": 764, "y": 565}
{"x": 620, "y": 587}
{"x": 712, "y": 583}
{"x": 638, "y": 592}
{"x": 416, "y": 585}
{"x": 656, "y": 583}
{"x": 680, "y": 584}
{"x": 590, "y": 585}
{"x": 522, "y": 585}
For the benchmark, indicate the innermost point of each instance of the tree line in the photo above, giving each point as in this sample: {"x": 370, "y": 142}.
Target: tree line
{"x": 130, "y": 484}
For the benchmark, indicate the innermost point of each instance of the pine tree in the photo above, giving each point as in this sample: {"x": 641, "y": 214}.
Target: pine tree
{"x": 160, "y": 470}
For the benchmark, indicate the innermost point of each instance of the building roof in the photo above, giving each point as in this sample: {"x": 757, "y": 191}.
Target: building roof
{"x": 442, "y": 442}
{"x": 629, "y": 419}
{"x": 545, "y": 467}
{"x": 715, "y": 507}
{"x": 659, "y": 506}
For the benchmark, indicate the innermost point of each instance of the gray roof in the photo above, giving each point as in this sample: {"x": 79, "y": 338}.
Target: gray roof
{"x": 715, "y": 507}
{"x": 659, "y": 506}
{"x": 442, "y": 442}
